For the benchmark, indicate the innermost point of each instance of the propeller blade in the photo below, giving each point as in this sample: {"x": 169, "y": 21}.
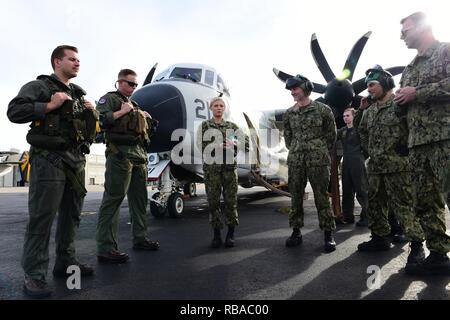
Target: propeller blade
{"x": 150, "y": 75}
{"x": 359, "y": 86}
{"x": 255, "y": 173}
{"x": 321, "y": 99}
{"x": 281, "y": 75}
{"x": 319, "y": 88}
{"x": 354, "y": 55}
{"x": 396, "y": 70}
{"x": 255, "y": 138}
{"x": 320, "y": 60}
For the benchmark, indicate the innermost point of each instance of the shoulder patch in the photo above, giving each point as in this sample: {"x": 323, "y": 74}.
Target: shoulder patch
{"x": 102, "y": 100}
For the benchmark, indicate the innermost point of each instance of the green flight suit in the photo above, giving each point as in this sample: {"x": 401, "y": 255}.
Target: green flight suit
{"x": 354, "y": 173}
{"x": 429, "y": 140}
{"x": 309, "y": 133}
{"x": 125, "y": 175}
{"x": 51, "y": 189}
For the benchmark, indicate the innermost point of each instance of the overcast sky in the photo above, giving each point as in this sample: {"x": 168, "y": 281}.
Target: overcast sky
{"x": 242, "y": 39}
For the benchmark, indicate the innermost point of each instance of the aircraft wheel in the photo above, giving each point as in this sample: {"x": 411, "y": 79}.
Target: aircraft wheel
{"x": 190, "y": 189}
{"x": 175, "y": 205}
{"x": 157, "y": 210}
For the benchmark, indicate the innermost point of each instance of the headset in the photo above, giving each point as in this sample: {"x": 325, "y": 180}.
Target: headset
{"x": 385, "y": 78}
{"x": 299, "y": 81}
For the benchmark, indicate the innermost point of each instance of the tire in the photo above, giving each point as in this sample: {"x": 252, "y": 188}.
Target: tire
{"x": 190, "y": 189}
{"x": 156, "y": 210}
{"x": 175, "y": 205}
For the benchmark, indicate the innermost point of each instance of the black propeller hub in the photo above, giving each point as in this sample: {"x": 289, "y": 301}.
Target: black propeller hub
{"x": 339, "y": 95}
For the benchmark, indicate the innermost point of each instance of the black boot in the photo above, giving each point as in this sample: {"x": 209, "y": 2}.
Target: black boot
{"x": 345, "y": 219}
{"x": 60, "y": 269}
{"x": 363, "y": 220}
{"x": 229, "y": 241}
{"x": 217, "y": 240}
{"x": 377, "y": 243}
{"x": 397, "y": 232}
{"x": 330, "y": 244}
{"x": 417, "y": 254}
{"x": 435, "y": 264}
{"x": 350, "y": 219}
{"x": 399, "y": 237}
{"x": 295, "y": 239}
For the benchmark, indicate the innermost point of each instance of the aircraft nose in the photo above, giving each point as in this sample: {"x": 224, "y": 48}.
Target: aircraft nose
{"x": 166, "y": 104}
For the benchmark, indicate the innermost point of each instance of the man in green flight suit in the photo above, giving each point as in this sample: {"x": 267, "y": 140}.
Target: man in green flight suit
{"x": 309, "y": 134}
{"x": 63, "y": 125}
{"x": 127, "y": 132}
{"x": 425, "y": 97}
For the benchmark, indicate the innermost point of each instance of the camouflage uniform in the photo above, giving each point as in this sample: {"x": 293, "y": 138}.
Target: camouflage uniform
{"x": 309, "y": 134}
{"x": 56, "y": 183}
{"x": 429, "y": 140}
{"x": 221, "y": 176}
{"x": 125, "y": 175}
{"x": 383, "y": 133}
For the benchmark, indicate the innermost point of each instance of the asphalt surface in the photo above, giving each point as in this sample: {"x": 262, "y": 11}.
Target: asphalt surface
{"x": 260, "y": 267}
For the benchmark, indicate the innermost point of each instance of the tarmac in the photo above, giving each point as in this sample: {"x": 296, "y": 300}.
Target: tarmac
{"x": 259, "y": 268}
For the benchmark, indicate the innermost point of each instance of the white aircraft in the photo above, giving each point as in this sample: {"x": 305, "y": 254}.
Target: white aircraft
{"x": 178, "y": 98}
{"x": 8, "y": 159}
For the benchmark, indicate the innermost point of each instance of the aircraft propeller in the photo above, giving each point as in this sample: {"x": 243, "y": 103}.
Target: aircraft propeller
{"x": 150, "y": 75}
{"x": 340, "y": 92}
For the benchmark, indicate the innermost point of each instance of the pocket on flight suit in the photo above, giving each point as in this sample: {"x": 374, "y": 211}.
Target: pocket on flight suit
{"x": 45, "y": 170}
{"x": 117, "y": 174}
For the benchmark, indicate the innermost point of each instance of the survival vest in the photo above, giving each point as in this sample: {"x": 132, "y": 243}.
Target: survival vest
{"x": 131, "y": 129}
{"x": 70, "y": 126}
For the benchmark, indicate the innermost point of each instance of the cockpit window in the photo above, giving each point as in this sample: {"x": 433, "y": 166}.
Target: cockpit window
{"x": 192, "y": 74}
{"x": 161, "y": 75}
{"x": 209, "y": 77}
{"x": 221, "y": 85}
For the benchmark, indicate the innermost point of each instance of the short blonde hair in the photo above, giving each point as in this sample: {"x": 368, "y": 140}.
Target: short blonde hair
{"x": 350, "y": 109}
{"x": 214, "y": 100}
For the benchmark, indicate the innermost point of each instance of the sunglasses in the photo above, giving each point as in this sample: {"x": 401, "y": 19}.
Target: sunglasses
{"x": 403, "y": 33}
{"x": 130, "y": 83}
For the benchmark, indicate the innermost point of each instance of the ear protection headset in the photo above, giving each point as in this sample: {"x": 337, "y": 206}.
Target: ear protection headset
{"x": 299, "y": 81}
{"x": 385, "y": 78}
